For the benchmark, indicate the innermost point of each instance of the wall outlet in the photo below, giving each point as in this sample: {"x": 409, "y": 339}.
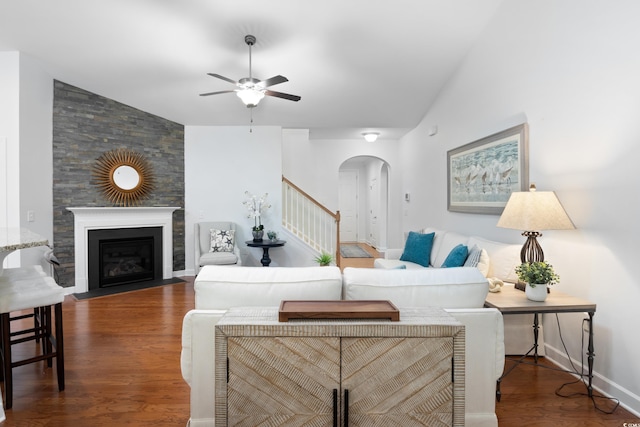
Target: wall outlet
{"x": 31, "y": 216}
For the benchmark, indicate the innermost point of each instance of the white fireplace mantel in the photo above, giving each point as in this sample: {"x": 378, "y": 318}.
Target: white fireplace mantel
{"x": 88, "y": 218}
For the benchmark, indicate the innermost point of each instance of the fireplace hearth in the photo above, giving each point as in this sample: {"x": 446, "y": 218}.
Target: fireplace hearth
{"x": 123, "y": 256}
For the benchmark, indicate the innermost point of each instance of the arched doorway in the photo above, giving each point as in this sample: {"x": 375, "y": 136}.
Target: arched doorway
{"x": 363, "y": 200}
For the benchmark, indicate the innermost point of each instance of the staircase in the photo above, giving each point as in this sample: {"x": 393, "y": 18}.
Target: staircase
{"x": 310, "y": 221}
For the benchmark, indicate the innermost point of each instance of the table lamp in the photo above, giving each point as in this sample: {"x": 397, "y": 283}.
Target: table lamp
{"x": 534, "y": 211}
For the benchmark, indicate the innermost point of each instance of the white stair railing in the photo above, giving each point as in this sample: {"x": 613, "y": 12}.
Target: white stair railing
{"x": 309, "y": 220}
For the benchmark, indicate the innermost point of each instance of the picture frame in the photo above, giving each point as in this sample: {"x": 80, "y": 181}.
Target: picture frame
{"x": 482, "y": 175}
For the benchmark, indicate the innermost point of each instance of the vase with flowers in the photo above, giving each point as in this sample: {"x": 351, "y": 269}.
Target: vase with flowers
{"x": 256, "y": 207}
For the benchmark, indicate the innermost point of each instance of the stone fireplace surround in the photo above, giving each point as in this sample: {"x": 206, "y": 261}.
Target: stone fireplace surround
{"x": 96, "y": 218}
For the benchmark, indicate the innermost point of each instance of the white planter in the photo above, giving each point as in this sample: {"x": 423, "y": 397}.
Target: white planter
{"x": 537, "y": 292}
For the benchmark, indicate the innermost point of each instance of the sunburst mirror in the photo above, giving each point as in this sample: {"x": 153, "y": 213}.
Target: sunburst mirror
{"x": 124, "y": 176}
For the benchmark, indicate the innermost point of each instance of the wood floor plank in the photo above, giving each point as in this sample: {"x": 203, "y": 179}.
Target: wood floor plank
{"x": 122, "y": 355}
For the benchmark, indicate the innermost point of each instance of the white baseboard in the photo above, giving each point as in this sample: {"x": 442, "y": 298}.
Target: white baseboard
{"x": 181, "y": 273}
{"x": 628, "y": 400}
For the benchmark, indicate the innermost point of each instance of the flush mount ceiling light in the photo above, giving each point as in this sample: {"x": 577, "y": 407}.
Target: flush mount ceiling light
{"x": 251, "y": 90}
{"x": 371, "y": 136}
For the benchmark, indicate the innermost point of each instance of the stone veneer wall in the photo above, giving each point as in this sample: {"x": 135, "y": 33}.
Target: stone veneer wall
{"x": 85, "y": 125}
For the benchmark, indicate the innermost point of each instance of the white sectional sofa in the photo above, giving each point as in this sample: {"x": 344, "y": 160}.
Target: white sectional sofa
{"x": 499, "y": 261}
{"x": 461, "y": 291}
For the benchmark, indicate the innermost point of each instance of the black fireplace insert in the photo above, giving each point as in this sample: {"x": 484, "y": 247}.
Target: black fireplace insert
{"x": 124, "y": 255}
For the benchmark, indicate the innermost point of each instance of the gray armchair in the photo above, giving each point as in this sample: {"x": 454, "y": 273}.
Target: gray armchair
{"x": 204, "y": 255}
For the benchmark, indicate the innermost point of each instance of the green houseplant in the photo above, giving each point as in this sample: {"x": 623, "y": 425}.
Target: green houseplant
{"x": 324, "y": 259}
{"x": 537, "y": 275}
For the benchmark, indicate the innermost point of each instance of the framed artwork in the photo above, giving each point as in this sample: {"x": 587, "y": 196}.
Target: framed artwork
{"x": 482, "y": 175}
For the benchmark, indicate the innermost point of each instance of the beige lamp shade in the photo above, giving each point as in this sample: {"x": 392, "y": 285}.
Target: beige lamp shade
{"x": 535, "y": 211}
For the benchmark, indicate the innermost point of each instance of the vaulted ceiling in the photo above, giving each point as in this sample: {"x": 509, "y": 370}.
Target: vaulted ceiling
{"x": 357, "y": 64}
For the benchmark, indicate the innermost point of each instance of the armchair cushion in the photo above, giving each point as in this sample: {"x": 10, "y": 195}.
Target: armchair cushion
{"x": 222, "y": 240}
{"x": 203, "y": 245}
{"x": 218, "y": 258}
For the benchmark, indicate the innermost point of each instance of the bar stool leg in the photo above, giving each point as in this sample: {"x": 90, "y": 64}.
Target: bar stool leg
{"x": 6, "y": 360}
{"x": 48, "y": 330}
{"x": 59, "y": 346}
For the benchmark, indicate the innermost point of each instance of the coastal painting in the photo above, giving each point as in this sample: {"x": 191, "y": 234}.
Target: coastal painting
{"x": 482, "y": 175}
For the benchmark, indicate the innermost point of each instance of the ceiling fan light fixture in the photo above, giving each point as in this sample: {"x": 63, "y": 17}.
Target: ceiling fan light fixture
{"x": 250, "y": 97}
{"x": 371, "y": 136}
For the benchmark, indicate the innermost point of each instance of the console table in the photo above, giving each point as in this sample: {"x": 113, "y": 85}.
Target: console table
{"x": 330, "y": 372}
{"x": 513, "y": 301}
{"x": 265, "y": 245}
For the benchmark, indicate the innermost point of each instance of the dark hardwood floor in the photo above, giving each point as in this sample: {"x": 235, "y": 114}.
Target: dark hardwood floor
{"x": 122, "y": 356}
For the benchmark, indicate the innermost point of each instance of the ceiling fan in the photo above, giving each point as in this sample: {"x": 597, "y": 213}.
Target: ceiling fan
{"x": 251, "y": 90}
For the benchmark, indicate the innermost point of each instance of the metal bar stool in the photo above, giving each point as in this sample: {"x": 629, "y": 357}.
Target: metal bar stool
{"x": 29, "y": 288}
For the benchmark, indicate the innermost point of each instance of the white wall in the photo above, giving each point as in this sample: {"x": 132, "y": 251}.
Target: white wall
{"x": 10, "y": 133}
{"x": 570, "y": 70}
{"x": 36, "y": 152}
{"x": 26, "y": 108}
{"x": 221, "y": 163}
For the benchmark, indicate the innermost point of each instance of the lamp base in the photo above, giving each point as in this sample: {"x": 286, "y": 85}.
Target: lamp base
{"x": 531, "y": 250}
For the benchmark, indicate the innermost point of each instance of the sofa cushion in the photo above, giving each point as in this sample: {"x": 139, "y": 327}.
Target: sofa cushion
{"x": 418, "y": 248}
{"x": 395, "y": 264}
{"x": 222, "y": 240}
{"x": 447, "y": 240}
{"x": 504, "y": 258}
{"x": 223, "y": 287}
{"x": 460, "y": 287}
{"x": 456, "y": 257}
{"x": 437, "y": 242}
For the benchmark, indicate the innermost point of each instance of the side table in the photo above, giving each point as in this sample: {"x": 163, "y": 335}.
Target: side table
{"x": 265, "y": 245}
{"x": 513, "y": 301}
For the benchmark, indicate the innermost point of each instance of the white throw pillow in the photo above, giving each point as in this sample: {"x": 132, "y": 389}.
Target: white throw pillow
{"x": 483, "y": 263}
{"x": 222, "y": 240}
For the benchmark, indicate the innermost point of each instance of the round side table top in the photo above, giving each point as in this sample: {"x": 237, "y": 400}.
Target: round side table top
{"x": 265, "y": 243}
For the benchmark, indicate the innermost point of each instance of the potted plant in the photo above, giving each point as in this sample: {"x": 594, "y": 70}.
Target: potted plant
{"x": 324, "y": 259}
{"x": 537, "y": 275}
{"x": 256, "y": 206}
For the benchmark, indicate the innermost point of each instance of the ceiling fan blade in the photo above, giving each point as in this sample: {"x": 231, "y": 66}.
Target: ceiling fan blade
{"x": 223, "y": 78}
{"x": 275, "y": 80}
{"x": 216, "y": 93}
{"x": 282, "y": 95}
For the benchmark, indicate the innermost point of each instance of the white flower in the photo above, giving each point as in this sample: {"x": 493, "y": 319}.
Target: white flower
{"x": 256, "y": 207}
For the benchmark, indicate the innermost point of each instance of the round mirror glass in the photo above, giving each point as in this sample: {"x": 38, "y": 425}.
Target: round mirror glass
{"x": 126, "y": 177}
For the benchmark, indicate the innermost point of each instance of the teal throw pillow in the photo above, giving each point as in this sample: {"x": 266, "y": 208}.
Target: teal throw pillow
{"x": 456, "y": 257}
{"x": 417, "y": 248}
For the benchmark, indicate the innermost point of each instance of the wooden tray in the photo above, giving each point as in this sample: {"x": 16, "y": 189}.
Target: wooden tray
{"x": 338, "y": 309}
